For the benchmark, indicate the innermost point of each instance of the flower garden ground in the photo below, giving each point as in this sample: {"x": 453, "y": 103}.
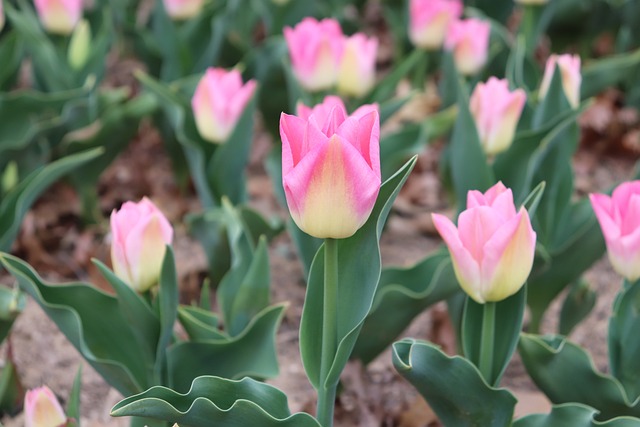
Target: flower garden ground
{"x": 55, "y": 244}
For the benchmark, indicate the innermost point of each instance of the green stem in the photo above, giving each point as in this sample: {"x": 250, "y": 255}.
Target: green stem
{"x": 529, "y": 25}
{"x": 487, "y": 341}
{"x": 420, "y": 72}
{"x": 327, "y": 392}
{"x": 535, "y": 321}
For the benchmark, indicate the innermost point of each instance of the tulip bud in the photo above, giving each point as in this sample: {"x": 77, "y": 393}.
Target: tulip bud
{"x": 80, "y": 45}
{"x": 140, "y": 233}
{"x": 331, "y": 168}
{"x": 468, "y": 41}
{"x": 42, "y": 409}
{"x": 315, "y": 49}
{"x": 492, "y": 248}
{"x": 2, "y": 18}
{"x": 496, "y": 111}
{"x": 181, "y": 10}
{"x": 219, "y": 101}
{"x": 357, "y": 73}
{"x": 59, "y": 16}
{"x": 619, "y": 218}
{"x": 430, "y": 20}
{"x": 569, "y": 66}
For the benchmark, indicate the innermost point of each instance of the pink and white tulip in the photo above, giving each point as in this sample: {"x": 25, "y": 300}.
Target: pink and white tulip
{"x": 331, "y": 167}
{"x": 569, "y": 66}
{"x": 59, "y": 16}
{"x": 140, "y": 233}
{"x": 468, "y": 41}
{"x": 492, "y": 248}
{"x": 2, "y": 17}
{"x": 619, "y": 218}
{"x": 315, "y": 49}
{"x": 429, "y": 20}
{"x": 181, "y": 10}
{"x": 357, "y": 73}
{"x": 219, "y": 101}
{"x": 42, "y": 409}
{"x": 496, "y": 112}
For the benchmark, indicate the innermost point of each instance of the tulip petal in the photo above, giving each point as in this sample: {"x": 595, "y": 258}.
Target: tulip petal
{"x": 292, "y": 133}
{"x": 466, "y": 268}
{"x": 42, "y": 409}
{"x": 604, "y": 210}
{"x": 145, "y": 247}
{"x": 331, "y": 192}
{"x": 509, "y": 257}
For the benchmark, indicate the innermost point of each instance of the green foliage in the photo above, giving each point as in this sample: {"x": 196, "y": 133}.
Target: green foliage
{"x": 405, "y": 292}
{"x": 213, "y": 401}
{"x": 359, "y": 261}
{"x": 214, "y": 168}
{"x": 508, "y": 324}
{"x": 575, "y": 415}
{"x": 440, "y": 379}
{"x": 136, "y": 348}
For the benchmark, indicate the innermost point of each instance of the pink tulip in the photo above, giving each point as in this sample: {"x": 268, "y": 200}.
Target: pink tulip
{"x": 219, "y": 101}
{"x": 468, "y": 40}
{"x": 619, "y": 217}
{"x": 59, "y": 16}
{"x": 42, "y": 409}
{"x": 182, "y": 9}
{"x": 331, "y": 167}
{"x": 493, "y": 247}
{"x": 496, "y": 111}
{"x": 323, "y": 110}
{"x": 315, "y": 49}
{"x": 571, "y": 78}
{"x": 2, "y": 18}
{"x": 430, "y": 20}
{"x": 357, "y": 73}
{"x": 140, "y": 233}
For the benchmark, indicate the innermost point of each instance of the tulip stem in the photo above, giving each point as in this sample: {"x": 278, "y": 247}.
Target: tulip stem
{"x": 327, "y": 392}
{"x": 487, "y": 341}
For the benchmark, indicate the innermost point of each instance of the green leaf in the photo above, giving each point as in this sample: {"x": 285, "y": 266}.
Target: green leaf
{"x": 200, "y": 324}
{"x": 453, "y": 386}
{"x": 252, "y": 353}
{"x": 168, "y": 298}
{"x": 469, "y": 167}
{"x": 226, "y": 170}
{"x": 12, "y": 303}
{"x": 92, "y": 321}
{"x": 624, "y": 345}
{"x": 574, "y": 415}
{"x": 398, "y": 147}
{"x": 144, "y": 321}
{"x": 576, "y": 307}
{"x": 554, "y": 103}
{"x": 252, "y": 293}
{"x": 533, "y": 199}
{"x": 579, "y": 244}
{"x": 358, "y": 277}
{"x": 73, "y": 404}
{"x": 566, "y": 373}
{"x": 11, "y": 388}
{"x": 11, "y": 52}
{"x": 213, "y": 401}
{"x": 16, "y": 203}
{"x": 209, "y": 228}
{"x": 404, "y": 292}
{"x": 604, "y": 73}
{"x": 508, "y": 324}
{"x": 386, "y": 87}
